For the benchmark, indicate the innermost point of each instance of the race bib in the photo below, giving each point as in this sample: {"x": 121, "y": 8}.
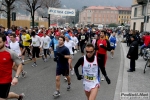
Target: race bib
{"x": 112, "y": 44}
{"x": 90, "y": 78}
{"x": 55, "y": 46}
{"x": 82, "y": 37}
{"x": 45, "y": 44}
{"x": 34, "y": 42}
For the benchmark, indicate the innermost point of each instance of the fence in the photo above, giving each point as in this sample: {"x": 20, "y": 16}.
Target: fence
{"x": 23, "y": 23}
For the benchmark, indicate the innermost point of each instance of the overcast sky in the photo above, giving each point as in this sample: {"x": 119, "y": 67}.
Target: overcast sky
{"x": 78, "y": 4}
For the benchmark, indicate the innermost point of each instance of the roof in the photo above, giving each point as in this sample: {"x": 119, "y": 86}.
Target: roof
{"x": 124, "y": 8}
{"x": 101, "y": 7}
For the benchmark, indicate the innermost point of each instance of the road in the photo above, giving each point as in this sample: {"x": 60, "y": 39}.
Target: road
{"x": 39, "y": 83}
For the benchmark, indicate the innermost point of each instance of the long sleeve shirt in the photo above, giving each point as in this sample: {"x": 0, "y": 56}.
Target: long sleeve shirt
{"x": 36, "y": 41}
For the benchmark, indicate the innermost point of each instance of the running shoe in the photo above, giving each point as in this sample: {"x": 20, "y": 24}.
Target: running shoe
{"x": 56, "y": 94}
{"x": 34, "y": 65}
{"x": 72, "y": 72}
{"x": 102, "y": 78}
{"x": 65, "y": 79}
{"x": 23, "y": 74}
{"x": 45, "y": 60}
{"x": 21, "y": 96}
{"x": 68, "y": 87}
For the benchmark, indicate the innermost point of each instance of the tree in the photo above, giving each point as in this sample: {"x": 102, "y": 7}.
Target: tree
{"x": 51, "y": 3}
{"x": 9, "y": 6}
{"x": 84, "y": 7}
{"x": 112, "y": 25}
{"x": 32, "y": 6}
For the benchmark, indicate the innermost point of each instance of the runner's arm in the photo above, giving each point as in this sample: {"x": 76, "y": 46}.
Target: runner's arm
{"x": 77, "y": 65}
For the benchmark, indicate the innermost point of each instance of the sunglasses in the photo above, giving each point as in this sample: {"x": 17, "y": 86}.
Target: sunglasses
{"x": 89, "y": 51}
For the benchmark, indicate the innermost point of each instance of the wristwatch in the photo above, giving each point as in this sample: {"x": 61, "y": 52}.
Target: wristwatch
{"x": 17, "y": 77}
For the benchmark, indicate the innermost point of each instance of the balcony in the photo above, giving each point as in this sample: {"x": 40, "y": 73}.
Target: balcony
{"x": 141, "y": 2}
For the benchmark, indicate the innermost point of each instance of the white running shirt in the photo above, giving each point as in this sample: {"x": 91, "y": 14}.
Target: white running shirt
{"x": 70, "y": 45}
{"x": 15, "y": 47}
{"x": 46, "y": 41}
{"x": 90, "y": 73}
{"x": 36, "y": 41}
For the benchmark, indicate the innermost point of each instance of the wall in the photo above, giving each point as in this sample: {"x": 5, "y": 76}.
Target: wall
{"x": 22, "y": 23}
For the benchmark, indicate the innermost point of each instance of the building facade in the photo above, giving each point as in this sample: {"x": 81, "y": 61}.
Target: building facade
{"x": 124, "y": 15}
{"x": 137, "y": 16}
{"x": 98, "y": 15}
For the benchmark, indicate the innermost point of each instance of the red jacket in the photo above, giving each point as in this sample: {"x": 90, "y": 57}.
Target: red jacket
{"x": 147, "y": 40}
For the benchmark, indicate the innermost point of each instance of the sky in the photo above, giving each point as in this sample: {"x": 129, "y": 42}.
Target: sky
{"x": 78, "y": 4}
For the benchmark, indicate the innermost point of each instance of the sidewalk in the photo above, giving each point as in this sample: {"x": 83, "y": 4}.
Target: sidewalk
{"x": 132, "y": 81}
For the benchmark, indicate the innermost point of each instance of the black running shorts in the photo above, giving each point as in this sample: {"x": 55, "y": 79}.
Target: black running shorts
{"x": 4, "y": 90}
{"x": 64, "y": 72}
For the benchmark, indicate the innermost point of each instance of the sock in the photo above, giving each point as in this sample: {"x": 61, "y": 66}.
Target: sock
{"x": 23, "y": 61}
{"x": 69, "y": 83}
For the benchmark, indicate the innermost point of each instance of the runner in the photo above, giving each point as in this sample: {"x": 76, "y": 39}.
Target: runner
{"x": 46, "y": 41}
{"x": 54, "y": 43}
{"x": 70, "y": 44}
{"x": 102, "y": 45}
{"x": 90, "y": 72}
{"x": 16, "y": 46}
{"x": 83, "y": 40}
{"x": 75, "y": 40}
{"x": 26, "y": 42}
{"x": 113, "y": 44}
{"x": 63, "y": 55}
{"x": 37, "y": 45}
{"x": 6, "y": 62}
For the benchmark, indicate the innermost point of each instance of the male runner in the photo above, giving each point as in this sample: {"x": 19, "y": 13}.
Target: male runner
{"x": 6, "y": 62}
{"x": 16, "y": 47}
{"x": 62, "y": 57}
{"x": 90, "y": 72}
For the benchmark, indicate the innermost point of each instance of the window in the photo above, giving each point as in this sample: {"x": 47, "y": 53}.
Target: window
{"x": 125, "y": 17}
{"x": 119, "y": 16}
{"x": 143, "y": 10}
{"x": 135, "y": 12}
{"x": 122, "y": 16}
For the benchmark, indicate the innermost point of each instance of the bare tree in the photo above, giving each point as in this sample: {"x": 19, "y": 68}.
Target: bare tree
{"x": 51, "y": 3}
{"x": 8, "y": 7}
{"x": 32, "y": 6}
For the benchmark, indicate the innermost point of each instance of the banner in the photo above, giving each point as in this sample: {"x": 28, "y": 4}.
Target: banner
{"x": 62, "y": 12}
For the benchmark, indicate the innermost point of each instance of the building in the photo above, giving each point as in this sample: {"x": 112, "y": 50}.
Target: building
{"x": 137, "y": 16}
{"x": 124, "y": 15}
{"x": 98, "y": 15}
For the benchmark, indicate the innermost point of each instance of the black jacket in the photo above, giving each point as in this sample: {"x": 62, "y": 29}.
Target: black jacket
{"x": 133, "y": 51}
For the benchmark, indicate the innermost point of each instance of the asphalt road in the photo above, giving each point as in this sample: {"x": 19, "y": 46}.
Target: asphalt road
{"x": 39, "y": 83}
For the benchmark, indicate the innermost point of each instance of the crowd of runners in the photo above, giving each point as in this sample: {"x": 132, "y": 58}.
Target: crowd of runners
{"x": 18, "y": 43}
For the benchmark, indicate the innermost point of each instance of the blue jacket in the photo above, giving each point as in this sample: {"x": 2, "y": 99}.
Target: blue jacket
{"x": 54, "y": 43}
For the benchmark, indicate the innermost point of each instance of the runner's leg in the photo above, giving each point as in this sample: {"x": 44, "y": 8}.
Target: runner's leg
{"x": 93, "y": 93}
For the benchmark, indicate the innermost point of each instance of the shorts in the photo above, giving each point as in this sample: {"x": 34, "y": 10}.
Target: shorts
{"x": 112, "y": 48}
{"x": 4, "y": 90}
{"x": 88, "y": 87}
{"x": 64, "y": 72}
{"x": 46, "y": 51}
{"x": 35, "y": 52}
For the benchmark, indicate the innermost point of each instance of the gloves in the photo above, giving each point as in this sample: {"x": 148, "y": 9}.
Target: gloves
{"x": 60, "y": 55}
{"x": 108, "y": 80}
{"x": 79, "y": 77}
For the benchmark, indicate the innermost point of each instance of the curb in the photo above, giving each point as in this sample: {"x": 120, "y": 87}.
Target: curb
{"x": 122, "y": 81}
